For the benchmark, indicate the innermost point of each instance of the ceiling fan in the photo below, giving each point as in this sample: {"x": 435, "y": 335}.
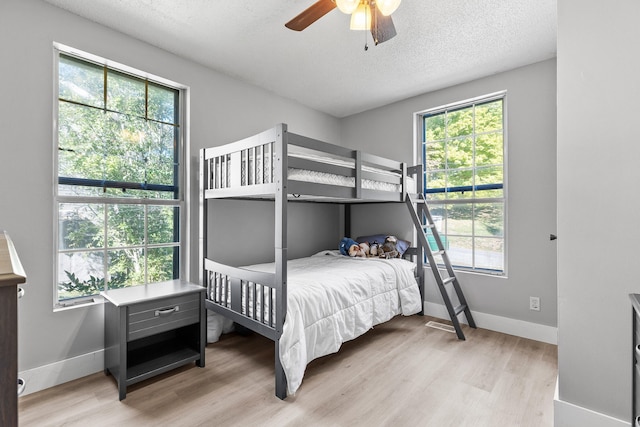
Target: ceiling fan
{"x": 374, "y": 15}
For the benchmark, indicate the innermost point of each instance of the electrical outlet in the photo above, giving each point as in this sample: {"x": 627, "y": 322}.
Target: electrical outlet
{"x": 534, "y": 303}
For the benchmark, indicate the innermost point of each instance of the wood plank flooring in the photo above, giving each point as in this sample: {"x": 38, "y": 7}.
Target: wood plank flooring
{"x": 401, "y": 373}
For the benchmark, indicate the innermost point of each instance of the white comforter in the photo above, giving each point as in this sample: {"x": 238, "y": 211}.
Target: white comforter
{"x": 333, "y": 298}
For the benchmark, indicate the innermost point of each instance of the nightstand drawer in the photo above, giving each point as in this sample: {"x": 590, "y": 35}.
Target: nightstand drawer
{"x": 153, "y": 317}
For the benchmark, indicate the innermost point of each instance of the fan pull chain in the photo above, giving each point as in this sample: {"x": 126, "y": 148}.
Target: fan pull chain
{"x": 366, "y": 46}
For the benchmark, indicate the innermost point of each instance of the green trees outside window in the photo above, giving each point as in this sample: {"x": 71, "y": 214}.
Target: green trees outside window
{"x": 463, "y": 156}
{"x": 118, "y": 196}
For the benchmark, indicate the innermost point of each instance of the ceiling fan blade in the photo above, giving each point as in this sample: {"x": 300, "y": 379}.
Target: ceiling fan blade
{"x": 311, "y": 15}
{"x": 382, "y": 28}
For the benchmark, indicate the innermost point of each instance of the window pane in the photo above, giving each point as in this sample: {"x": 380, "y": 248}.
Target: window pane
{"x": 438, "y": 215}
{"x": 435, "y": 129}
{"x": 160, "y": 154}
{"x": 435, "y": 155}
{"x": 126, "y": 268}
{"x": 436, "y": 180}
{"x": 489, "y": 175}
{"x": 489, "y": 117}
{"x": 460, "y": 122}
{"x": 162, "y": 223}
{"x": 125, "y": 225}
{"x": 80, "y": 226}
{"x": 125, "y": 155}
{"x": 489, "y": 253}
{"x": 460, "y": 153}
{"x": 81, "y": 147}
{"x": 161, "y": 263}
{"x": 460, "y": 251}
{"x": 80, "y": 274}
{"x": 81, "y": 82}
{"x": 162, "y": 104}
{"x": 125, "y": 94}
{"x": 489, "y": 149}
{"x": 460, "y": 219}
{"x": 489, "y": 219}
{"x": 460, "y": 178}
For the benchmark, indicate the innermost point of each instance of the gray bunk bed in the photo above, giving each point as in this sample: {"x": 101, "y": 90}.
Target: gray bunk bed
{"x": 267, "y": 166}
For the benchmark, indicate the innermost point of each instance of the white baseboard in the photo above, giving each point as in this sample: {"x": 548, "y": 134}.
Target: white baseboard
{"x": 46, "y": 376}
{"x": 567, "y": 414}
{"x": 520, "y": 328}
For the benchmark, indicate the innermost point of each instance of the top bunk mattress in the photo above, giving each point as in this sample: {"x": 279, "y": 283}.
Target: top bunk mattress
{"x": 321, "y": 177}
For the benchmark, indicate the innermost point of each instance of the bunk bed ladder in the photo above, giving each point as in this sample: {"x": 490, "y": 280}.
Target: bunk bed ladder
{"x": 418, "y": 207}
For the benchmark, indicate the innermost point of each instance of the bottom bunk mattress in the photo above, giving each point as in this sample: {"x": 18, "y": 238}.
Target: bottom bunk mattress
{"x": 332, "y": 299}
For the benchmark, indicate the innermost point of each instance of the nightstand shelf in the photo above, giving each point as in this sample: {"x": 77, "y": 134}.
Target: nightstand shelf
{"x": 153, "y": 329}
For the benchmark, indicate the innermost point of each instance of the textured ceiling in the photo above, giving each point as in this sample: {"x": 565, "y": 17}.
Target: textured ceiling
{"x": 439, "y": 43}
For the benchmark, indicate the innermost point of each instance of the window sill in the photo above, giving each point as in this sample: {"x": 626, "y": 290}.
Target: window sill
{"x": 97, "y": 300}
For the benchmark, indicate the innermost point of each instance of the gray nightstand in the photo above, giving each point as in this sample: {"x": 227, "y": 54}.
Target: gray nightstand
{"x": 152, "y": 329}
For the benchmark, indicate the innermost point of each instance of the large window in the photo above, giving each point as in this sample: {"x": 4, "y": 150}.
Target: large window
{"x": 118, "y": 196}
{"x": 463, "y": 152}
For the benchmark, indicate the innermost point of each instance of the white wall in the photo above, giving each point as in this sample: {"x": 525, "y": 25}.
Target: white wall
{"x": 599, "y": 236}
{"x": 531, "y": 180}
{"x": 222, "y": 110}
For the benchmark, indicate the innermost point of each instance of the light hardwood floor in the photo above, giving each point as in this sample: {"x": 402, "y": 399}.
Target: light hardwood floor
{"x": 401, "y": 373}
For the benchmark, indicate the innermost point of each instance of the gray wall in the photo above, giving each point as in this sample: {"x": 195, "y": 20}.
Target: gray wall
{"x": 222, "y": 110}
{"x": 531, "y": 201}
{"x": 599, "y": 236}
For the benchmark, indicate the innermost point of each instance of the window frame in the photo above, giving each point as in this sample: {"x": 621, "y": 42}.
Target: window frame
{"x": 419, "y": 158}
{"x": 181, "y": 200}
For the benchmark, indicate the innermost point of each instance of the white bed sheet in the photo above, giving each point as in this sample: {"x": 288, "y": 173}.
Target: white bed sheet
{"x": 333, "y": 299}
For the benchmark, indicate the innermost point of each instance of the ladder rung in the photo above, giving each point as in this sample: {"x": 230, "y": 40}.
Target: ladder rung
{"x": 437, "y": 253}
{"x": 448, "y": 280}
{"x": 459, "y": 309}
{"x": 431, "y": 226}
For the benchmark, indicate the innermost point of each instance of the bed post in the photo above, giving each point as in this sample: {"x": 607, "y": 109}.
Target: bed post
{"x": 202, "y": 226}
{"x": 347, "y": 219}
{"x": 280, "y": 250}
{"x": 416, "y": 172}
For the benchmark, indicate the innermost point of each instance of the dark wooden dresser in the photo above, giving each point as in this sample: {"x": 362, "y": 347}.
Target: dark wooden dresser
{"x": 11, "y": 275}
{"x": 635, "y": 358}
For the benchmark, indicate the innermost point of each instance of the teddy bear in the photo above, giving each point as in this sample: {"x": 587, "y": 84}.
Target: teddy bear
{"x": 389, "y": 248}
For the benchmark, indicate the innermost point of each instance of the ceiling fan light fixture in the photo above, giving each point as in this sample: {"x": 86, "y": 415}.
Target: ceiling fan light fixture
{"x": 361, "y": 18}
{"x": 387, "y": 7}
{"x": 347, "y": 6}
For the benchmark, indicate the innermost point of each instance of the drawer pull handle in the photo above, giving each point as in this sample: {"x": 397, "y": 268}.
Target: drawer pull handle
{"x": 167, "y": 311}
{"x": 21, "y": 386}
{"x": 20, "y": 293}
{"x": 638, "y": 351}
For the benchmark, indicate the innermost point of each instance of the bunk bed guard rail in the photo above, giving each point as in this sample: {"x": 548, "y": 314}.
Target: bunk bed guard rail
{"x": 256, "y": 166}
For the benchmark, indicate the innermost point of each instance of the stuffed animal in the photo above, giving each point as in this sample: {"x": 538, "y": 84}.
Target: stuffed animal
{"x": 389, "y": 249}
{"x": 350, "y": 247}
{"x": 364, "y": 246}
{"x": 373, "y": 249}
{"x": 356, "y": 251}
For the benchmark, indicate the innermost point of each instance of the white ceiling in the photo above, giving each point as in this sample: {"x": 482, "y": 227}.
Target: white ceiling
{"x": 439, "y": 43}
